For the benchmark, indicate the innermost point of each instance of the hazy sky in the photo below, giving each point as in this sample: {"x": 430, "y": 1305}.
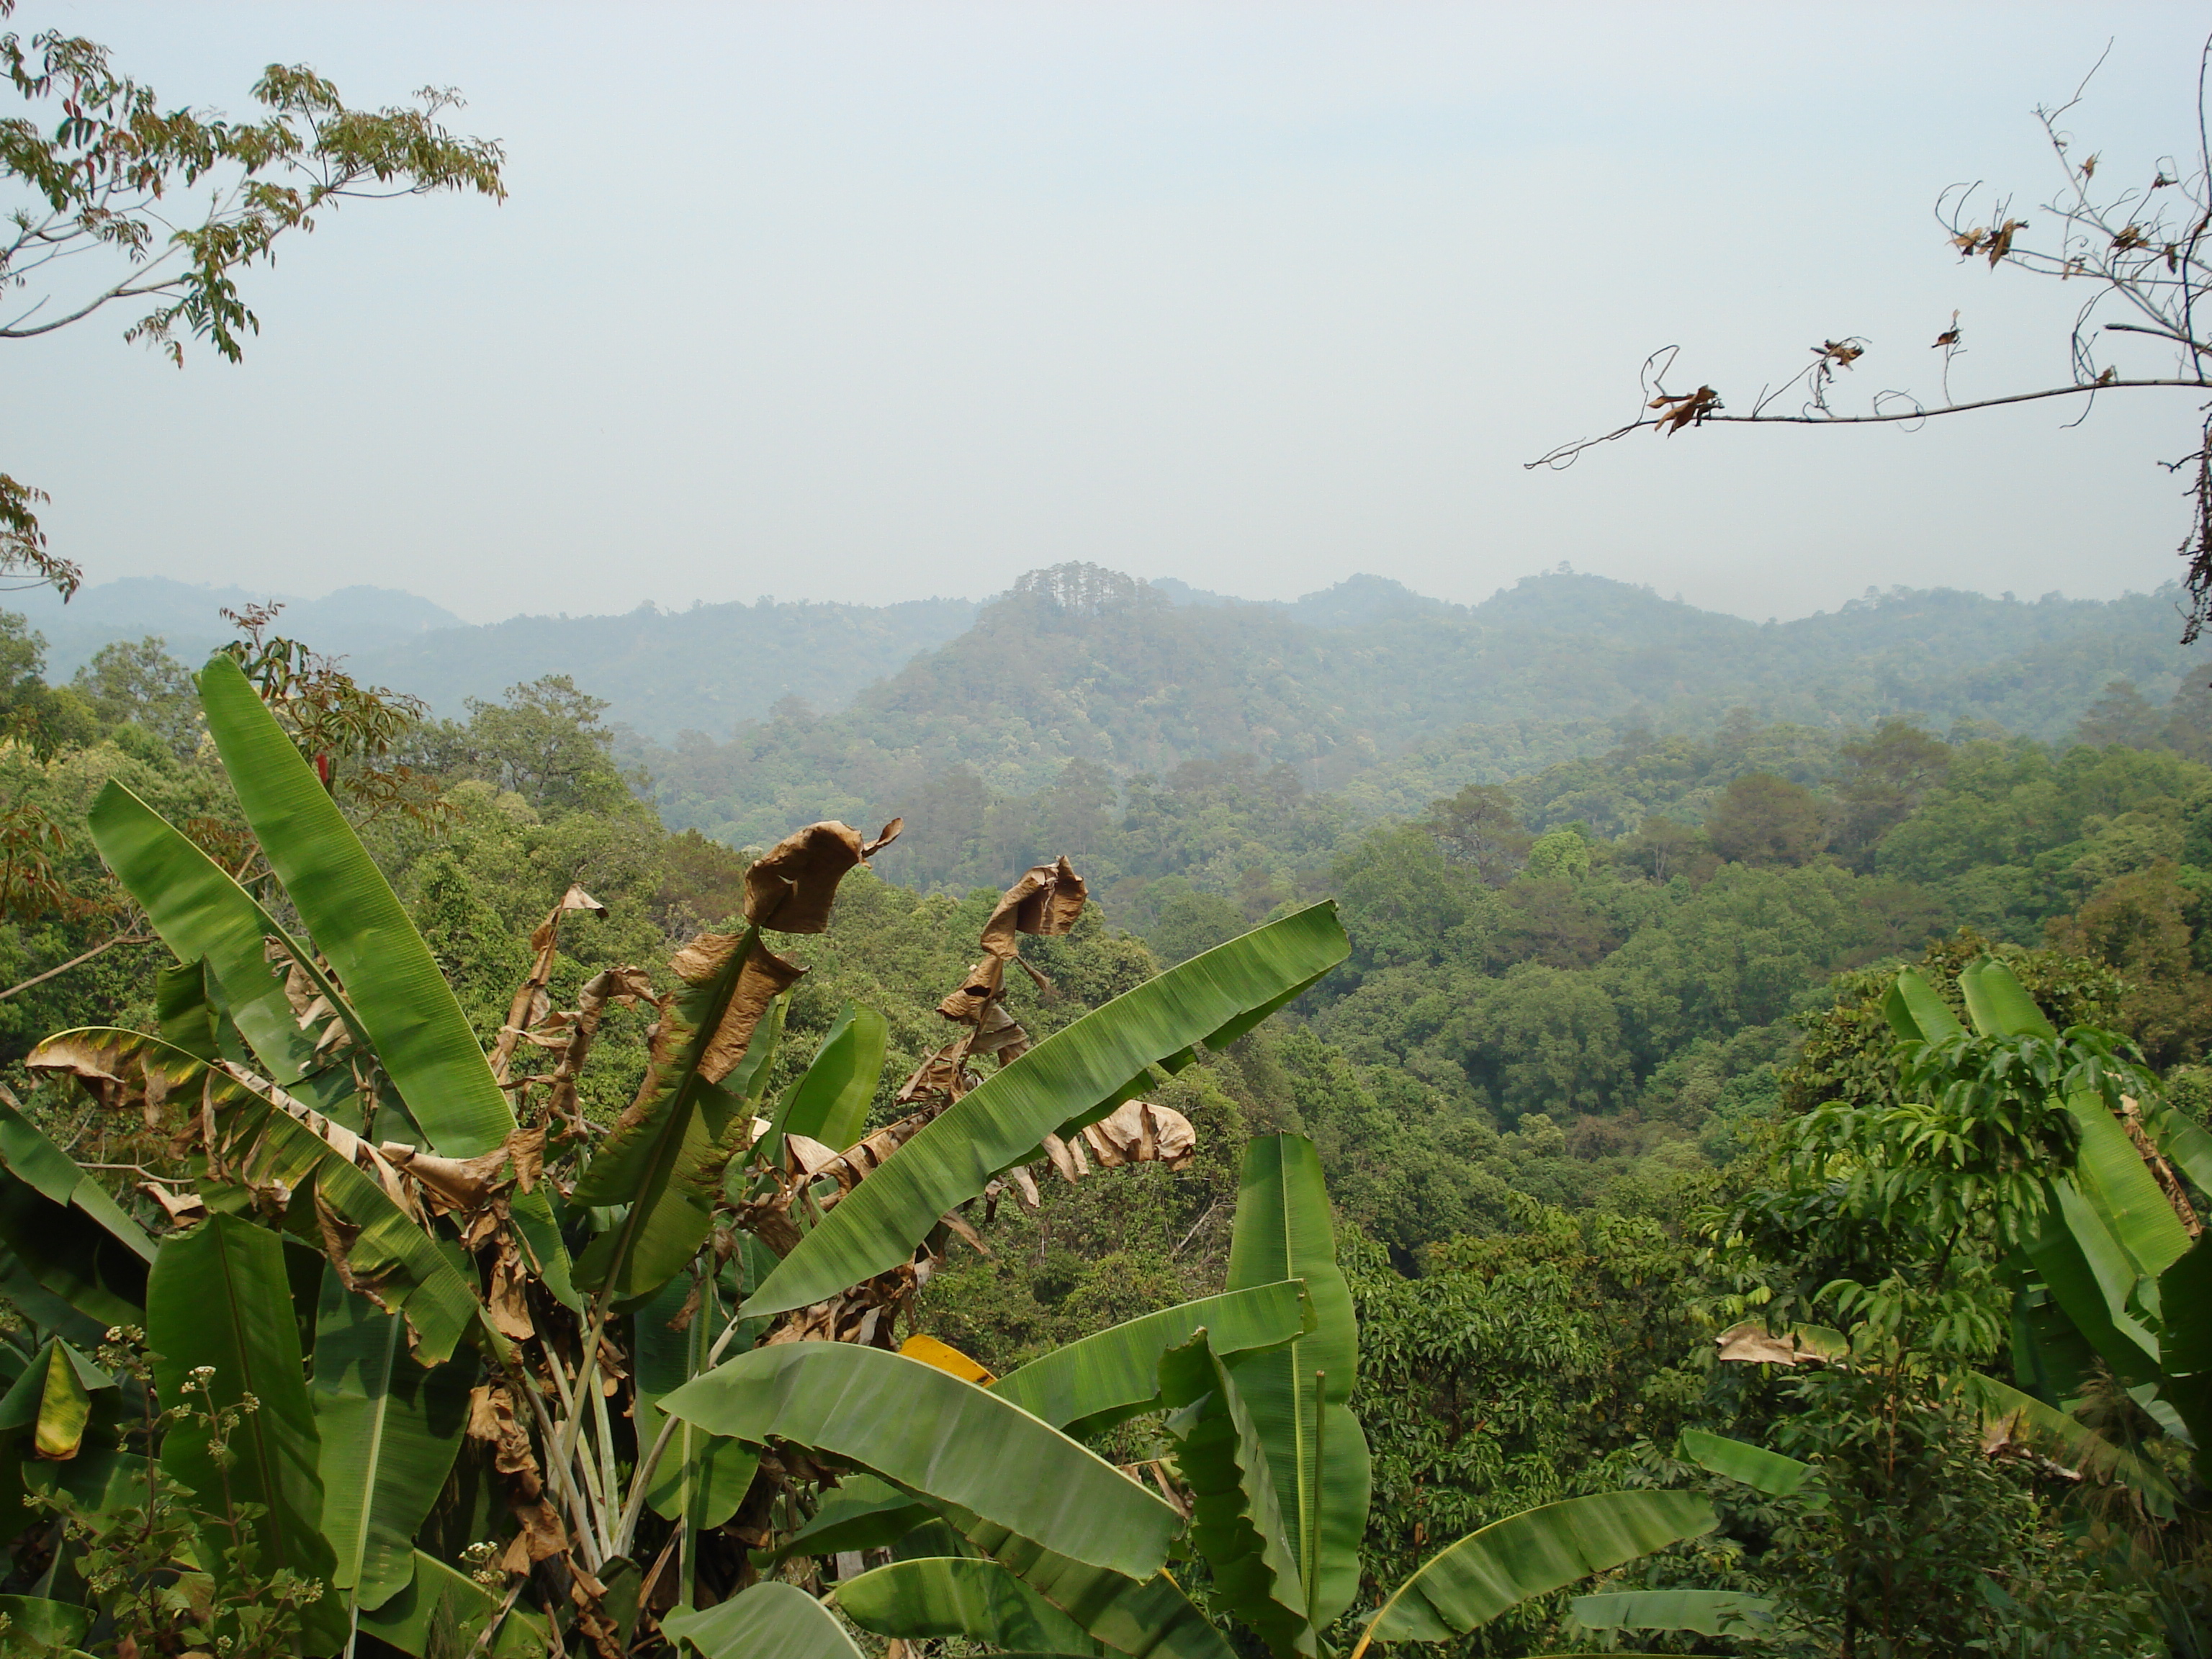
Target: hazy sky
{"x": 869, "y": 303}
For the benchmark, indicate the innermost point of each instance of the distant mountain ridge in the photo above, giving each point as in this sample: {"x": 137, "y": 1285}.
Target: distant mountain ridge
{"x": 748, "y": 714}
{"x": 1407, "y": 699}
{"x": 669, "y": 672}
{"x": 188, "y": 616}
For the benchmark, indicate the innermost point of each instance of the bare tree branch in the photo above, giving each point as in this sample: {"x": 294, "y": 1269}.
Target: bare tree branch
{"x": 2137, "y": 247}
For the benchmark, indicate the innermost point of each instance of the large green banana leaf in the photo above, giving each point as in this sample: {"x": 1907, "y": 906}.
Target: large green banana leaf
{"x": 203, "y": 914}
{"x": 37, "y": 1626}
{"x": 2072, "y": 1443}
{"x": 70, "y": 1257}
{"x": 861, "y": 1513}
{"x": 441, "y": 1614}
{"x": 940, "y": 1438}
{"x": 2185, "y": 1296}
{"x": 771, "y": 1620}
{"x": 1916, "y": 1012}
{"x": 62, "y": 1268}
{"x": 2183, "y": 1143}
{"x": 702, "y": 1478}
{"x": 829, "y": 1102}
{"x": 268, "y": 1144}
{"x": 1540, "y": 1550}
{"x": 52, "y": 1398}
{"x": 218, "y": 1297}
{"x": 1998, "y": 1004}
{"x": 2132, "y": 1211}
{"x": 1709, "y": 1612}
{"x": 2051, "y": 1357}
{"x": 392, "y": 981}
{"x": 1113, "y": 1375}
{"x": 1147, "y": 1619}
{"x": 31, "y": 1157}
{"x": 1235, "y": 1523}
{"x": 1317, "y": 1450}
{"x": 2135, "y": 1210}
{"x": 658, "y": 1157}
{"x": 423, "y": 1039}
{"x": 1018, "y": 1489}
{"x": 2093, "y": 1280}
{"x": 1761, "y": 1470}
{"x": 953, "y": 1595}
{"x": 1070, "y": 1073}
{"x": 389, "y": 1430}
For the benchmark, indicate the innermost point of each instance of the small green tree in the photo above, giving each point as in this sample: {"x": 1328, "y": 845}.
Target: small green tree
{"x": 99, "y": 227}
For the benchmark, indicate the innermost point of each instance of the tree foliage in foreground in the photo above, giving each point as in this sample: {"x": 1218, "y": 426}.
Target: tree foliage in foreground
{"x": 666, "y": 1344}
{"x": 99, "y": 167}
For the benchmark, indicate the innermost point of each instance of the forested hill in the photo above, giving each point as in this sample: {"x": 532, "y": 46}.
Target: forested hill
{"x": 703, "y": 669}
{"x": 1374, "y": 692}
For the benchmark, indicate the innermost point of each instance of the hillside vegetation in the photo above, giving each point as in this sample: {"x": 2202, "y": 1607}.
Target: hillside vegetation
{"x": 1386, "y": 698}
{"x": 1605, "y": 975}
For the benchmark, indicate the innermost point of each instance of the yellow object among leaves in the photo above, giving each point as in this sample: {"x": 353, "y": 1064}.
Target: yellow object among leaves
{"x": 945, "y": 1358}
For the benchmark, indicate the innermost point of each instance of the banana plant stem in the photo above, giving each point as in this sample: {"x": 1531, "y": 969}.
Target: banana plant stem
{"x": 1313, "y": 1507}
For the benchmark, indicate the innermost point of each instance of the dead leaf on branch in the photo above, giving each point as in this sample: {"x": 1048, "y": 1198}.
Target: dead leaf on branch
{"x": 1751, "y": 1343}
{"x": 530, "y": 1006}
{"x": 1841, "y": 353}
{"x": 610, "y": 988}
{"x": 792, "y": 887}
{"x": 1137, "y": 1132}
{"x": 491, "y": 1419}
{"x": 469, "y": 1186}
{"x": 1949, "y": 337}
{"x": 868, "y": 1313}
{"x": 2130, "y": 239}
{"x": 1045, "y": 903}
{"x": 1685, "y": 409}
{"x": 183, "y": 1209}
{"x": 764, "y": 976}
{"x": 2000, "y": 243}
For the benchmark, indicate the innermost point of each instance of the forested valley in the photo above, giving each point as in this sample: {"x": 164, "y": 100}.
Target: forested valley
{"x": 1608, "y": 1097}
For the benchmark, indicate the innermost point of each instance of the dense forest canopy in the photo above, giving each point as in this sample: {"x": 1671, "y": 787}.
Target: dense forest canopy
{"x": 1387, "y": 700}
{"x": 1591, "y": 982}
{"x": 1571, "y": 1123}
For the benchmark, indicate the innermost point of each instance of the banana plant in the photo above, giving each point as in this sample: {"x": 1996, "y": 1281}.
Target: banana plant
{"x": 381, "y": 1290}
{"x": 2112, "y": 1263}
{"x": 2106, "y": 1260}
{"x": 1052, "y": 1549}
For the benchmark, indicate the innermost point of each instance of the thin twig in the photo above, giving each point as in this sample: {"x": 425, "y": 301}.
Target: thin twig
{"x": 483, "y": 1640}
{"x": 1566, "y": 453}
{"x": 1192, "y": 1233}
{"x": 125, "y": 938}
{"x": 633, "y": 1512}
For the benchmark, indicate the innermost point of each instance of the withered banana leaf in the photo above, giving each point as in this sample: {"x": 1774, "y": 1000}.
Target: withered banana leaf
{"x": 265, "y": 1144}
{"x": 1076, "y": 1071}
